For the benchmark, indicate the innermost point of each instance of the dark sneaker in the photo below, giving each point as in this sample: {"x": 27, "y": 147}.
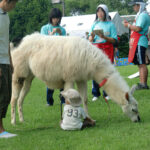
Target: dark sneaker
{"x": 139, "y": 86}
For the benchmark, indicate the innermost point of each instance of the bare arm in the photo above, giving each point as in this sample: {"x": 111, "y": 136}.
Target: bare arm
{"x": 108, "y": 39}
{"x": 91, "y": 37}
{"x": 56, "y": 30}
{"x": 132, "y": 27}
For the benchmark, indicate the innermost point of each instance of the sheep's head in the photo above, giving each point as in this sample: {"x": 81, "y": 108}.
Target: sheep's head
{"x": 131, "y": 108}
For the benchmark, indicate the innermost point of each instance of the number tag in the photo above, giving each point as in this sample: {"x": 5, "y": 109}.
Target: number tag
{"x": 73, "y": 113}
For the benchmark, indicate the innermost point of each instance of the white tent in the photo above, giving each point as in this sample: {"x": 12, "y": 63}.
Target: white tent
{"x": 117, "y": 20}
{"x": 148, "y": 6}
{"x": 79, "y": 25}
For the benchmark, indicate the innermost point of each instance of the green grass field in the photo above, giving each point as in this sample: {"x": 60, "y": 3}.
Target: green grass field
{"x": 113, "y": 131}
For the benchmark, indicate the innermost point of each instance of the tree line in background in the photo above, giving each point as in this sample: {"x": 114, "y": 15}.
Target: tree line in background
{"x": 30, "y": 15}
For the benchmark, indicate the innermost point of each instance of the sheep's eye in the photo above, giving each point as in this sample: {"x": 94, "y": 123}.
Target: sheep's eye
{"x": 134, "y": 110}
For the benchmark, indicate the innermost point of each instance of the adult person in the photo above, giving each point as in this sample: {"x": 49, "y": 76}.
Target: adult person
{"x": 139, "y": 41}
{"x": 116, "y": 51}
{"x": 53, "y": 28}
{"x": 116, "y": 54}
{"x": 104, "y": 39}
{"x": 5, "y": 63}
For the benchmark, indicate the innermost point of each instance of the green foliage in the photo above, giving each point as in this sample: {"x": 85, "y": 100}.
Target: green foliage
{"x": 89, "y": 7}
{"x": 30, "y": 15}
{"x": 113, "y": 131}
{"x": 27, "y": 17}
{"x": 123, "y": 46}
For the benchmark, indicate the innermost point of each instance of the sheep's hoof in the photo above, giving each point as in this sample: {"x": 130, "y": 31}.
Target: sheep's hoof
{"x": 21, "y": 120}
{"x": 93, "y": 122}
{"x": 13, "y": 122}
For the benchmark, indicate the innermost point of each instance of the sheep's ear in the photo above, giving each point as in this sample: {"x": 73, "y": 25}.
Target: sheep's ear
{"x": 133, "y": 88}
{"x": 127, "y": 96}
{"x": 63, "y": 93}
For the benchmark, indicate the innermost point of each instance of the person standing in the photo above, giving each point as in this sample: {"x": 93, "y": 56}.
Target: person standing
{"x": 6, "y": 67}
{"x": 53, "y": 28}
{"x": 104, "y": 39}
{"x": 116, "y": 51}
{"x": 139, "y": 41}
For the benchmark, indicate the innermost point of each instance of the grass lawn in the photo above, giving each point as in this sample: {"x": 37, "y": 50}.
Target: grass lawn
{"x": 113, "y": 131}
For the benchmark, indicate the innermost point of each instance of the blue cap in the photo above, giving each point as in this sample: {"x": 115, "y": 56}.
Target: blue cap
{"x": 133, "y": 2}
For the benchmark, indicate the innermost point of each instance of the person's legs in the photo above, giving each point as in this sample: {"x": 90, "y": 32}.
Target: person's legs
{"x": 61, "y": 97}
{"x": 3, "y": 132}
{"x": 104, "y": 93}
{"x": 3, "y": 111}
{"x": 139, "y": 60}
{"x": 95, "y": 90}
{"x": 143, "y": 71}
{"x": 49, "y": 96}
{"x": 5, "y": 96}
{"x": 5, "y": 92}
{"x": 148, "y": 56}
{"x": 87, "y": 123}
{"x": 2, "y": 115}
{"x": 1, "y": 126}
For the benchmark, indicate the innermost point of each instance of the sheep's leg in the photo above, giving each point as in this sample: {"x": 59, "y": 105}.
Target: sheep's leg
{"x": 82, "y": 87}
{"x": 25, "y": 89}
{"x": 68, "y": 85}
{"x": 16, "y": 88}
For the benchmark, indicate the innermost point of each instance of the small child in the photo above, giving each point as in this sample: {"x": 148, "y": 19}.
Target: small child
{"x": 73, "y": 113}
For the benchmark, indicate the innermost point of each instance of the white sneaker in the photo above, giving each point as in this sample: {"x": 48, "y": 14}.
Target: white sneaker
{"x": 7, "y": 135}
{"x": 94, "y": 99}
{"x": 107, "y": 97}
{"x": 47, "y": 104}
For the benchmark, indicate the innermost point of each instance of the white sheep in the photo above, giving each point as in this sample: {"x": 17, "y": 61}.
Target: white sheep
{"x": 62, "y": 61}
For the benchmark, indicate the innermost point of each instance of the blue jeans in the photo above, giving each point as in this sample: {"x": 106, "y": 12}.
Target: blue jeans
{"x": 96, "y": 90}
{"x": 50, "y": 99}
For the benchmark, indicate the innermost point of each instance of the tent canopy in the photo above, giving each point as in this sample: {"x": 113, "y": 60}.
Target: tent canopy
{"x": 148, "y": 6}
{"x": 79, "y": 25}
